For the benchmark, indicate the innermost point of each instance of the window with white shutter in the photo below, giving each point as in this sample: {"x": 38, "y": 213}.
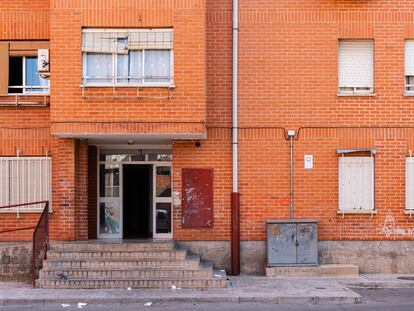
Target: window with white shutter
{"x": 356, "y": 184}
{"x": 25, "y": 180}
{"x": 409, "y": 184}
{"x": 409, "y": 66}
{"x": 356, "y": 67}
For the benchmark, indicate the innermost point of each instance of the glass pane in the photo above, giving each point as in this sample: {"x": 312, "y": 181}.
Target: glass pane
{"x": 130, "y": 67}
{"x": 163, "y": 221}
{"x": 115, "y": 155}
{"x": 32, "y": 78}
{"x": 109, "y": 181}
{"x": 98, "y": 68}
{"x": 410, "y": 83}
{"x": 163, "y": 183}
{"x": 157, "y": 66}
{"x": 109, "y": 218}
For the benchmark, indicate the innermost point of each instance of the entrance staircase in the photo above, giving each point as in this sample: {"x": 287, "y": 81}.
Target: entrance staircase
{"x": 142, "y": 264}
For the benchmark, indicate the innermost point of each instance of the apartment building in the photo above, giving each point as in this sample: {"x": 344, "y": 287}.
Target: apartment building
{"x": 127, "y": 128}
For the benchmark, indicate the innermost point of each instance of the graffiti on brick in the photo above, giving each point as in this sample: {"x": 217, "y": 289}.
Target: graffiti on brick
{"x": 391, "y": 230}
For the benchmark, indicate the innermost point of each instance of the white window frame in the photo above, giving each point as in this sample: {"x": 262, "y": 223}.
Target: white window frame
{"x": 43, "y": 90}
{"x": 356, "y": 90}
{"x": 344, "y": 191}
{"x": 114, "y": 78}
{"x": 21, "y": 183}
{"x": 409, "y": 184}
{"x": 406, "y": 65}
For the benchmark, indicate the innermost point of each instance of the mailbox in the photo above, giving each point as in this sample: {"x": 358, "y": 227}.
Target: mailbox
{"x": 292, "y": 242}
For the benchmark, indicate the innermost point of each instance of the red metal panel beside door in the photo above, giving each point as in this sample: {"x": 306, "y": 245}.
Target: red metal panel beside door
{"x": 197, "y": 198}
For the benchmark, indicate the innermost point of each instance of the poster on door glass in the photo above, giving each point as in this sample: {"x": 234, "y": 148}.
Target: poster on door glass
{"x": 109, "y": 218}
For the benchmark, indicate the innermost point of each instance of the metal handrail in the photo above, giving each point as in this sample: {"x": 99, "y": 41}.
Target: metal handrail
{"x": 43, "y": 240}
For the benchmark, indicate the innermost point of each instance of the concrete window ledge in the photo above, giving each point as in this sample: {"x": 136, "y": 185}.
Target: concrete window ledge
{"x": 409, "y": 212}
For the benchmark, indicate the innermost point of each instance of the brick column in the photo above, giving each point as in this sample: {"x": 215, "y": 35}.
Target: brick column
{"x": 66, "y": 190}
{"x": 92, "y": 191}
{"x": 72, "y": 171}
{"x": 81, "y": 191}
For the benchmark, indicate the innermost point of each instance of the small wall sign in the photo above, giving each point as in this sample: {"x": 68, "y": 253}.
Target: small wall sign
{"x": 308, "y": 161}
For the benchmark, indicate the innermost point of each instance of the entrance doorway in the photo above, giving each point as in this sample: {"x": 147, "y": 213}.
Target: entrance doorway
{"x": 135, "y": 194}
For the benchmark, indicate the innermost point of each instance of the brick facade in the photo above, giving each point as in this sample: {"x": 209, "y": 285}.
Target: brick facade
{"x": 288, "y": 68}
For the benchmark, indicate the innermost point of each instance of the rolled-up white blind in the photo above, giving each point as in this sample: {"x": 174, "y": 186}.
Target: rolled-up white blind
{"x": 409, "y": 57}
{"x": 356, "y": 183}
{"x": 356, "y": 63}
{"x": 409, "y": 184}
{"x": 121, "y": 40}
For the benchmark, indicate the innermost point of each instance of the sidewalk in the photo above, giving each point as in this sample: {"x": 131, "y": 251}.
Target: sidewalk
{"x": 239, "y": 290}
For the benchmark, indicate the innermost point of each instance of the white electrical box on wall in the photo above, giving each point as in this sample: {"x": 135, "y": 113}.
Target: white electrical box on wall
{"x": 43, "y": 61}
{"x": 308, "y": 161}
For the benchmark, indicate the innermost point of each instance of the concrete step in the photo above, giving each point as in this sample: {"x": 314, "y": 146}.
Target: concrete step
{"x": 321, "y": 270}
{"x": 188, "y": 263}
{"x": 126, "y": 274}
{"x": 113, "y": 246}
{"x": 134, "y": 255}
{"x": 144, "y": 283}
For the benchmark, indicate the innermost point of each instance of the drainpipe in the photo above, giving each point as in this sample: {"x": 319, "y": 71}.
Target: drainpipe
{"x": 235, "y": 197}
{"x": 291, "y": 134}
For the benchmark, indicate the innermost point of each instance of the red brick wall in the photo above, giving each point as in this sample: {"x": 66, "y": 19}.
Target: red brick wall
{"x": 288, "y": 78}
{"x": 187, "y": 101}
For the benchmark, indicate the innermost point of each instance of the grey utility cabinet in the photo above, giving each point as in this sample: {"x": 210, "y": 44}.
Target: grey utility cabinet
{"x": 292, "y": 242}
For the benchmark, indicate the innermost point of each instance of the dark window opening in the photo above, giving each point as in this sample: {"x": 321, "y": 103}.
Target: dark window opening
{"x": 15, "y": 74}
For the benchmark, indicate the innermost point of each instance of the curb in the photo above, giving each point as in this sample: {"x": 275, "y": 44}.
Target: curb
{"x": 229, "y": 299}
{"x": 380, "y": 285}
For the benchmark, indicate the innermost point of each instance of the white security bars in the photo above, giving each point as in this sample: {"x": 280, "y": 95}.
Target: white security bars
{"x": 25, "y": 180}
{"x": 409, "y": 66}
{"x": 127, "y": 57}
{"x": 356, "y": 184}
{"x": 409, "y": 184}
{"x": 356, "y": 67}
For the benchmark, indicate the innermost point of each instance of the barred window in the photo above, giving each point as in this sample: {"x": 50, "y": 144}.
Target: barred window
{"x": 127, "y": 57}
{"x": 25, "y": 180}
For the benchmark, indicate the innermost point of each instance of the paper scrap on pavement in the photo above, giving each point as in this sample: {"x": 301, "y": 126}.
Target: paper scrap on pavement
{"x": 129, "y": 288}
{"x": 148, "y": 304}
{"x": 81, "y": 305}
{"x": 65, "y": 305}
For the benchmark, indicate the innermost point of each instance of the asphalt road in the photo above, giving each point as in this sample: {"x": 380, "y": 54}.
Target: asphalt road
{"x": 374, "y": 299}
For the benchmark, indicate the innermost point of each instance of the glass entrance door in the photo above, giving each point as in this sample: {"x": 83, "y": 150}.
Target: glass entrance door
{"x": 162, "y": 217}
{"x": 113, "y": 164}
{"x": 110, "y": 201}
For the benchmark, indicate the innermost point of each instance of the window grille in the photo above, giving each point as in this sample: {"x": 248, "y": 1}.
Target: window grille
{"x": 356, "y": 67}
{"x": 356, "y": 184}
{"x": 24, "y": 180}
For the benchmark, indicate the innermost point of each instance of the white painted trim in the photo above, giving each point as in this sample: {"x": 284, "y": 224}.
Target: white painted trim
{"x": 123, "y": 136}
{"x": 156, "y": 200}
{"x": 103, "y": 199}
{"x": 162, "y": 147}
